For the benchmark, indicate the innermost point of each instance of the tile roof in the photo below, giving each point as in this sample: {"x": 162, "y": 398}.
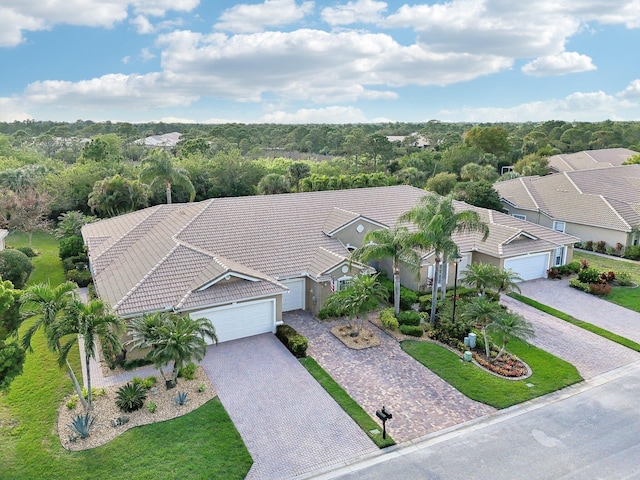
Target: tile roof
{"x": 163, "y": 255}
{"x": 590, "y": 159}
{"x": 606, "y": 197}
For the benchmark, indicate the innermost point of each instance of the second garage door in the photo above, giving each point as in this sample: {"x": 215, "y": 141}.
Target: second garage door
{"x": 241, "y": 320}
{"x": 294, "y": 300}
{"x": 529, "y": 267}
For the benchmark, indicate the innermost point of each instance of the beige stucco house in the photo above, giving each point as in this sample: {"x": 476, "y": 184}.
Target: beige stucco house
{"x": 594, "y": 205}
{"x": 243, "y": 261}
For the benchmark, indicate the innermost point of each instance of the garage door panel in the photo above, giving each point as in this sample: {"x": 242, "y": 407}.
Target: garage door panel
{"x": 294, "y": 299}
{"x": 241, "y": 320}
{"x": 529, "y": 267}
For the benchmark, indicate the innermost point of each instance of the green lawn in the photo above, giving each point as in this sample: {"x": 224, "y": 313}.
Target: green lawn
{"x": 347, "y": 403}
{"x": 623, "y": 296}
{"x": 549, "y": 373}
{"x": 47, "y": 265}
{"x": 202, "y": 444}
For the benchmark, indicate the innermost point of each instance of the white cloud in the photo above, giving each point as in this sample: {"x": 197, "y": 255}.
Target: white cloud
{"x": 126, "y": 59}
{"x": 561, "y": 64}
{"x": 12, "y": 109}
{"x": 142, "y": 24}
{"x": 359, "y": 11}
{"x": 245, "y": 18}
{"x": 579, "y": 106}
{"x": 632, "y": 90}
{"x": 317, "y": 115}
{"x": 146, "y": 55}
{"x": 19, "y": 16}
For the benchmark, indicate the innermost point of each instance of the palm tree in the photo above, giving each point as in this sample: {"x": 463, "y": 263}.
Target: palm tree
{"x": 507, "y": 281}
{"x": 437, "y": 221}
{"x": 158, "y": 168}
{"x": 171, "y": 337}
{"x": 44, "y": 303}
{"x": 483, "y": 313}
{"x": 363, "y": 294}
{"x": 91, "y": 322}
{"x": 394, "y": 244}
{"x": 480, "y": 276}
{"x": 511, "y": 325}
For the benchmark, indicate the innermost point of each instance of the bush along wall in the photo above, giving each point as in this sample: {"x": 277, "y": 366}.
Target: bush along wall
{"x": 297, "y": 344}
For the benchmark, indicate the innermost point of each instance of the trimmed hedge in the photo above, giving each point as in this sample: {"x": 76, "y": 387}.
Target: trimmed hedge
{"x": 297, "y": 344}
{"x": 412, "y": 330}
{"x": 409, "y": 318}
{"x": 81, "y": 277}
{"x": 388, "y": 319}
{"x": 407, "y": 298}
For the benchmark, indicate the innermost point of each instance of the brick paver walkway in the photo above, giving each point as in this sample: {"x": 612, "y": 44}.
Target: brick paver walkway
{"x": 288, "y": 422}
{"x": 420, "y": 401}
{"x": 589, "y": 353}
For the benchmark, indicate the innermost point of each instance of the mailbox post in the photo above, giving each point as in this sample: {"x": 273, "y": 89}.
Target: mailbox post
{"x": 384, "y": 415}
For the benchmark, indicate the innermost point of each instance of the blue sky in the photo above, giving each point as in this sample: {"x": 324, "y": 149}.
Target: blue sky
{"x": 304, "y": 61}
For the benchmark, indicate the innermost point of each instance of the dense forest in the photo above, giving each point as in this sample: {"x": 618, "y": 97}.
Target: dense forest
{"x": 104, "y": 169}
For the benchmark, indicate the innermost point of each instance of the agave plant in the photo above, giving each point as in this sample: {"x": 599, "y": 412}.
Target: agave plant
{"x": 131, "y": 397}
{"x": 82, "y": 425}
{"x": 180, "y": 398}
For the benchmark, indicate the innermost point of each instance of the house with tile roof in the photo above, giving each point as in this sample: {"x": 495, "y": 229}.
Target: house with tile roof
{"x": 243, "y": 261}
{"x": 590, "y": 159}
{"x": 594, "y": 205}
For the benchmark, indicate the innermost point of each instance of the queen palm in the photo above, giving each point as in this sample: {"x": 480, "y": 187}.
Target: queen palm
{"x": 171, "y": 337}
{"x": 43, "y": 303}
{"x": 87, "y": 322}
{"x": 483, "y": 313}
{"x": 159, "y": 168}
{"x": 394, "y": 244}
{"x": 480, "y": 276}
{"x": 510, "y": 325}
{"x": 437, "y": 220}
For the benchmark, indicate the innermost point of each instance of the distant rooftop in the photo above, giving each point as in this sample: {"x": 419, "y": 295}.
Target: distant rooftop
{"x": 590, "y": 159}
{"x": 167, "y": 140}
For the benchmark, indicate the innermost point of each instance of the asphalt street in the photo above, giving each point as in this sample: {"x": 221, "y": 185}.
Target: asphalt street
{"x": 589, "y": 431}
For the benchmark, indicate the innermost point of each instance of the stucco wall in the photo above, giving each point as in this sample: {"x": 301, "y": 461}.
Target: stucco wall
{"x": 350, "y": 235}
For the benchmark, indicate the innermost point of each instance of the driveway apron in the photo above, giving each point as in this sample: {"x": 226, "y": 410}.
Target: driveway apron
{"x": 288, "y": 422}
{"x": 584, "y": 306}
{"x": 420, "y": 401}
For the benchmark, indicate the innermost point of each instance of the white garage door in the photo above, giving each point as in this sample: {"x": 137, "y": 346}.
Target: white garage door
{"x": 241, "y": 320}
{"x": 294, "y": 300}
{"x": 529, "y": 267}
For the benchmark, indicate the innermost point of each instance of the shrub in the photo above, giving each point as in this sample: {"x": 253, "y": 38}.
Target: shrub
{"x": 130, "y": 397}
{"x": 188, "y": 371}
{"x": 425, "y": 303}
{"x": 71, "y": 247}
{"x": 15, "y": 266}
{"x": 81, "y": 277}
{"x": 82, "y": 425}
{"x": 600, "y": 289}
{"x": 409, "y": 318}
{"x": 95, "y": 392}
{"x": 72, "y": 402}
{"x": 584, "y": 264}
{"x": 624, "y": 279}
{"x": 619, "y": 250}
{"x": 412, "y": 330}
{"x": 610, "y": 250}
{"x": 152, "y": 407}
{"x": 79, "y": 262}
{"x": 28, "y": 251}
{"x": 181, "y": 398}
{"x": 575, "y": 283}
{"x": 202, "y": 387}
{"x": 632, "y": 252}
{"x": 149, "y": 382}
{"x": 388, "y": 319}
{"x": 554, "y": 273}
{"x": 601, "y": 246}
{"x": 608, "y": 276}
{"x": 589, "y": 275}
{"x": 407, "y": 298}
{"x": 588, "y": 245}
{"x": 290, "y": 338}
{"x": 333, "y": 312}
{"x": 569, "y": 268}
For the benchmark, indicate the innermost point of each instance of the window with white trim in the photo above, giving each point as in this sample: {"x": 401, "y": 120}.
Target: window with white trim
{"x": 519, "y": 216}
{"x": 558, "y": 256}
{"x": 559, "y": 226}
{"x": 343, "y": 283}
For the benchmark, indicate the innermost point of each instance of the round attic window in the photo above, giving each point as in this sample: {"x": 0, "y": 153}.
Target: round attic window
{"x": 360, "y": 228}
{"x": 345, "y": 269}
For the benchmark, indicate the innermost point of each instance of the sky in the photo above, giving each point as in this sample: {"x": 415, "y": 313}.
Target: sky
{"x": 319, "y": 61}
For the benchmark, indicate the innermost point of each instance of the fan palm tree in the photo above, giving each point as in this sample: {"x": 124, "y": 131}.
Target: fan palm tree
{"x": 89, "y": 323}
{"x": 394, "y": 244}
{"x": 43, "y": 303}
{"x": 158, "y": 168}
{"x": 437, "y": 220}
{"x": 510, "y": 325}
{"x": 171, "y": 337}
{"x": 483, "y": 313}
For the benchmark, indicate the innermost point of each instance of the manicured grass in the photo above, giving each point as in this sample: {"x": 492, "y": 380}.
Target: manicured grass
{"x": 579, "y": 323}
{"x": 347, "y": 403}
{"x": 201, "y": 444}
{"x": 549, "y": 373}
{"x": 609, "y": 264}
{"x": 625, "y": 297}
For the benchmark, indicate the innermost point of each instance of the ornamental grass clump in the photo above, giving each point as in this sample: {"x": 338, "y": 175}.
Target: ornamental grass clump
{"x": 131, "y": 397}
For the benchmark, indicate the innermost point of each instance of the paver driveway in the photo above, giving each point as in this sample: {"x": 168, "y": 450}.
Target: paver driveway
{"x": 583, "y": 306}
{"x": 288, "y": 422}
{"x": 420, "y": 401}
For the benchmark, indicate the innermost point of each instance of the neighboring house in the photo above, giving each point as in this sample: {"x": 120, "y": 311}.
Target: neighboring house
{"x": 3, "y": 235}
{"x": 242, "y": 261}
{"x": 594, "y": 205}
{"x": 417, "y": 140}
{"x": 167, "y": 140}
{"x": 589, "y": 159}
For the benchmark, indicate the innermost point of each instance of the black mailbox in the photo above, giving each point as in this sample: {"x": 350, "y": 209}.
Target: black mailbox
{"x": 384, "y": 415}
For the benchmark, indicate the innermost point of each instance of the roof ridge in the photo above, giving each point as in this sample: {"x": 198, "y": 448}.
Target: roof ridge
{"x": 194, "y": 217}
{"x": 526, "y": 189}
{"x": 604, "y": 199}
{"x": 566, "y": 174}
{"x": 586, "y": 152}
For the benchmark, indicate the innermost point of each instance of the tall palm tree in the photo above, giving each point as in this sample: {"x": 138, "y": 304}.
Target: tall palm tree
{"x": 43, "y": 303}
{"x": 171, "y": 337}
{"x": 394, "y": 244}
{"x": 90, "y": 322}
{"x": 437, "y": 220}
{"x": 158, "y": 168}
{"x": 511, "y": 325}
